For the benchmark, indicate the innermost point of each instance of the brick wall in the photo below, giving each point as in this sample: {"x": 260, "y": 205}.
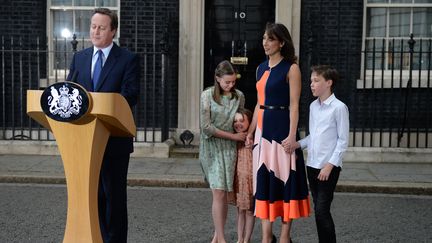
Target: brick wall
{"x": 23, "y": 18}
{"x": 20, "y": 27}
{"x": 336, "y": 31}
{"x": 144, "y": 24}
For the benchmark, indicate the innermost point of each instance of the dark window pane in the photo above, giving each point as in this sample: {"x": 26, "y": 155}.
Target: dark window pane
{"x": 106, "y": 3}
{"x": 399, "y": 22}
{"x": 422, "y": 22}
{"x": 402, "y": 1}
{"x": 84, "y": 3}
{"x": 400, "y": 55}
{"x": 378, "y": 1}
{"x": 61, "y": 2}
{"x": 82, "y": 23}
{"x": 62, "y": 22}
{"x": 376, "y": 22}
{"x": 374, "y": 57}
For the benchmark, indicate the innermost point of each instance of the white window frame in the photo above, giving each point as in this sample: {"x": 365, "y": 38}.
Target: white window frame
{"x": 378, "y": 75}
{"x": 61, "y": 73}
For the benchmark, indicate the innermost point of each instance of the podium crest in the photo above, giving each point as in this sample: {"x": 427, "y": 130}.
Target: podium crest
{"x": 65, "y": 101}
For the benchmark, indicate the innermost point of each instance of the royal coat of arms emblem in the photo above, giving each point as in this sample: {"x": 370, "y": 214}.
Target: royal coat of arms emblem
{"x": 64, "y": 104}
{"x": 64, "y": 101}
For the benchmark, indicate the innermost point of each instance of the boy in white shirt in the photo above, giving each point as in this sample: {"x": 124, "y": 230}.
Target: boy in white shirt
{"x": 326, "y": 143}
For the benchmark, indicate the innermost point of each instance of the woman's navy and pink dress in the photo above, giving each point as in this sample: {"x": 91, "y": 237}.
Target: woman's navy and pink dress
{"x": 280, "y": 185}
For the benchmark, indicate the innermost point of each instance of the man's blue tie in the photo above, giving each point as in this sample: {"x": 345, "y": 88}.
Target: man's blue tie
{"x": 97, "y": 69}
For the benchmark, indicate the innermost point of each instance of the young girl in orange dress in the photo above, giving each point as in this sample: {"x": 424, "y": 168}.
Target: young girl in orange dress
{"x": 242, "y": 196}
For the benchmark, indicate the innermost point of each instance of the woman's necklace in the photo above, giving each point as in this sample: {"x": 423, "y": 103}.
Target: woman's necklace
{"x": 273, "y": 62}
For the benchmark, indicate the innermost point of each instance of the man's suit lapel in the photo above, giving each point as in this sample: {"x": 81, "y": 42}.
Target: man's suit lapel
{"x": 87, "y": 82}
{"x": 108, "y": 66}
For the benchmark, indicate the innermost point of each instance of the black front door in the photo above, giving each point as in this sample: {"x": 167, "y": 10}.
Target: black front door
{"x": 234, "y": 28}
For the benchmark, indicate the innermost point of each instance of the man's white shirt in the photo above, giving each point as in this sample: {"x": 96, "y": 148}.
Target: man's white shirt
{"x": 328, "y": 132}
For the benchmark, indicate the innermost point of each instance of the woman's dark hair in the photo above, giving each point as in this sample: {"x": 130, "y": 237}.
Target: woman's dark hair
{"x": 223, "y": 68}
{"x": 279, "y": 32}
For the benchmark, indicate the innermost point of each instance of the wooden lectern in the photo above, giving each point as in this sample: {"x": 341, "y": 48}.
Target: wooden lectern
{"x": 82, "y": 145}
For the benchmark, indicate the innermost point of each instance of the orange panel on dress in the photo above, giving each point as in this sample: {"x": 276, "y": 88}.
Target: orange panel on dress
{"x": 293, "y": 210}
{"x": 260, "y": 86}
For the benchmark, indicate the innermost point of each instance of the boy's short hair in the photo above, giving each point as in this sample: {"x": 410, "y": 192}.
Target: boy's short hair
{"x": 328, "y": 72}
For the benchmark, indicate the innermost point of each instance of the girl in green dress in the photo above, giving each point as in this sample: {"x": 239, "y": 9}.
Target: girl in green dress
{"x": 218, "y": 151}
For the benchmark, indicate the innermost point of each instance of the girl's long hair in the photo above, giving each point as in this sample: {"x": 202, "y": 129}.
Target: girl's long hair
{"x": 223, "y": 68}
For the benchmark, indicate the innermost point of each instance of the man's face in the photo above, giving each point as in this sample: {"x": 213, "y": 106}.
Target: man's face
{"x": 101, "y": 33}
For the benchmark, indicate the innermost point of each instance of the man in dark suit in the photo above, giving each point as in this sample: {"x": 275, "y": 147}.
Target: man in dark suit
{"x": 106, "y": 67}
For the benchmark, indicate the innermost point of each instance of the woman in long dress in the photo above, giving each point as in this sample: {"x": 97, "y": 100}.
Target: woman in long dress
{"x": 280, "y": 185}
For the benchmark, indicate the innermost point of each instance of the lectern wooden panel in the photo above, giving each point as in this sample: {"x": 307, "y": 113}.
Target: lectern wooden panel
{"x": 82, "y": 144}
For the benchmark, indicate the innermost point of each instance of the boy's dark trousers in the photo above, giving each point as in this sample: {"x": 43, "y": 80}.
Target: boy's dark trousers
{"x": 322, "y": 195}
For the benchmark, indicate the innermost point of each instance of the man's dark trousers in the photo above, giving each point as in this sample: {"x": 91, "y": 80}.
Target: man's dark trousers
{"x": 112, "y": 198}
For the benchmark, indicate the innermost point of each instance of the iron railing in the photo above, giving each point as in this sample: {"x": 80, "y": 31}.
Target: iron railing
{"x": 386, "y": 86}
{"x": 32, "y": 66}
{"x": 396, "y": 86}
